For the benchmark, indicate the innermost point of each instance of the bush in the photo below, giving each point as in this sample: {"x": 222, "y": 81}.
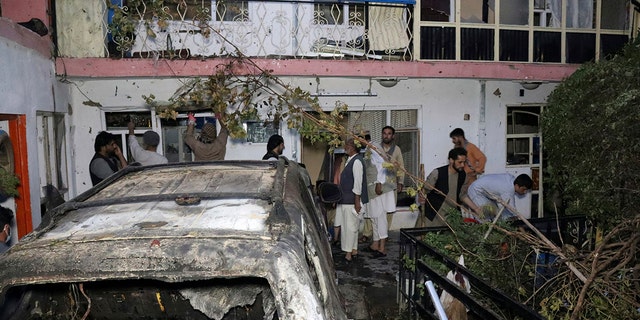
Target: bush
{"x": 591, "y": 131}
{"x": 8, "y": 184}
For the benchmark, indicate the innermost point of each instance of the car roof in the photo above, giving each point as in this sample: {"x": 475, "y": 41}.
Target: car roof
{"x": 183, "y": 222}
{"x": 232, "y": 202}
{"x": 225, "y": 195}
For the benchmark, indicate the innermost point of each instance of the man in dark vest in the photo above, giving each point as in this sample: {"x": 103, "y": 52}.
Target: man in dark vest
{"x": 108, "y": 158}
{"x": 447, "y": 180}
{"x": 349, "y": 212}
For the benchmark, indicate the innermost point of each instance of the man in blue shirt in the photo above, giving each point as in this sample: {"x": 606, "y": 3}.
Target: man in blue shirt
{"x": 487, "y": 194}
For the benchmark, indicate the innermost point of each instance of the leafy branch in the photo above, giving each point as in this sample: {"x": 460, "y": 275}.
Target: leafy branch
{"x": 8, "y": 183}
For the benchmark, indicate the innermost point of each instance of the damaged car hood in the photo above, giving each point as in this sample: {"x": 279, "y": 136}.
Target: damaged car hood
{"x": 187, "y": 223}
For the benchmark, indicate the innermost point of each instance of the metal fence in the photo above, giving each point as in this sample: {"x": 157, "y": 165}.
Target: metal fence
{"x": 414, "y": 271}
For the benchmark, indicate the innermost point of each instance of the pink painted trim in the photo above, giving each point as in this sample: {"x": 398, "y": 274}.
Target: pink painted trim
{"x": 23, "y": 10}
{"x": 100, "y": 67}
{"x": 25, "y": 37}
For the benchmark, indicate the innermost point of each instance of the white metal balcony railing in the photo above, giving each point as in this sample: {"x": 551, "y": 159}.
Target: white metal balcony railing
{"x": 277, "y": 29}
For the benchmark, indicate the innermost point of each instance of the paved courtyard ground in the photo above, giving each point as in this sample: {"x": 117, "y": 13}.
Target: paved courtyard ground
{"x": 369, "y": 284}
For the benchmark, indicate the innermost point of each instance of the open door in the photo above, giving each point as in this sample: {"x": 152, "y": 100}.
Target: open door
{"x": 13, "y": 156}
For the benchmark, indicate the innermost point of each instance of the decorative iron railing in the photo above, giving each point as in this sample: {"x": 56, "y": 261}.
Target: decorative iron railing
{"x": 181, "y": 29}
{"x": 418, "y": 259}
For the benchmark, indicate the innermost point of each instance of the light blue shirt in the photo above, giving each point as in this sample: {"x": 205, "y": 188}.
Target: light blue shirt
{"x": 494, "y": 186}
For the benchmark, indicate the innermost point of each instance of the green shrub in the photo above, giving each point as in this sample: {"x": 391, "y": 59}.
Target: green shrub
{"x": 591, "y": 128}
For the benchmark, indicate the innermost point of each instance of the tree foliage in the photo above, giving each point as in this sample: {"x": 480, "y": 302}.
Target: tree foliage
{"x": 240, "y": 90}
{"x": 591, "y": 128}
{"x": 8, "y": 183}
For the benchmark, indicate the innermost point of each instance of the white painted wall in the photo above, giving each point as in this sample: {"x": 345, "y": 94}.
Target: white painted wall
{"x": 122, "y": 95}
{"x": 27, "y": 84}
{"x": 442, "y": 105}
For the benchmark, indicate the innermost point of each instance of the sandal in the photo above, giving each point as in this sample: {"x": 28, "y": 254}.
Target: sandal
{"x": 379, "y": 254}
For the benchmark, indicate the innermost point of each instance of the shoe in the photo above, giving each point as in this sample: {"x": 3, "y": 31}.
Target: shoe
{"x": 363, "y": 239}
{"x": 378, "y": 254}
{"x": 369, "y": 249}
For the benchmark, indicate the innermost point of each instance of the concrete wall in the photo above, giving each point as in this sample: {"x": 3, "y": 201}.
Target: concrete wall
{"x": 79, "y": 33}
{"x": 87, "y": 119}
{"x": 27, "y": 85}
{"x": 442, "y": 106}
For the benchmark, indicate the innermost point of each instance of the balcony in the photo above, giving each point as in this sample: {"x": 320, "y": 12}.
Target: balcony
{"x": 529, "y": 31}
{"x": 273, "y": 29}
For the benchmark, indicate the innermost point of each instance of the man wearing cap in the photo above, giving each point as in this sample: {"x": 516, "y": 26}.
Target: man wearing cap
{"x": 275, "y": 146}
{"x": 208, "y": 146}
{"x": 353, "y": 185}
{"x": 149, "y": 154}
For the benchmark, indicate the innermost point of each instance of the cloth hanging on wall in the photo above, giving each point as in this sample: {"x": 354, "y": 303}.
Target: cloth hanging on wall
{"x": 387, "y": 28}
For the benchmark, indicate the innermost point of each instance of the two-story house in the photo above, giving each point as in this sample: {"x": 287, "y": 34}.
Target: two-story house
{"x": 425, "y": 67}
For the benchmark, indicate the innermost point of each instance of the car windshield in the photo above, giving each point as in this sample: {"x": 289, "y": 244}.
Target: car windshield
{"x": 205, "y": 180}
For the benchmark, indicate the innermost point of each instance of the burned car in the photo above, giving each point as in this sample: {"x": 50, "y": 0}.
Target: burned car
{"x": 215, "y": 240}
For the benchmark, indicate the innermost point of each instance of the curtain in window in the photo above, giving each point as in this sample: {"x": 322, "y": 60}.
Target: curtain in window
{"x": 387, "y": 28}
{"x": 580, "y": 14}
{"x": 556, "y": 13}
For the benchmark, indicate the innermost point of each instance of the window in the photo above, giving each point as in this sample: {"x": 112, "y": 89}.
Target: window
{"x": 547, "y": 13}
{"x": 117, "y": 123}
{"x": 437, "y": 10}
{"x": 546, "y": 46}
{"x": 580, "y": 47}
{"x": 615, "y": 15}
{"x": 551, "y": 31}
{"x": 259, "y": 132}
{"x": 523, "y": 141}
{"x": 580, "y": 14}
{"x": 514, "y": 12}
{"x": 476, "y": 44}
{"x": 438, "y": 43}
{"x": 173, "y": 145}
{"x": 120, "y": 120}
{"x": 407, "y": 135}
{"x": 408, "y": 139}
{"x": 477, "y": 11}
{"x": 52, "y": 158}
{"x": 524, "y": 149}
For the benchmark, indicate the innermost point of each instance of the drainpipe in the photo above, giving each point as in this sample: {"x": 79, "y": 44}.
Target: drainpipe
{"x": 482, "y": 125}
